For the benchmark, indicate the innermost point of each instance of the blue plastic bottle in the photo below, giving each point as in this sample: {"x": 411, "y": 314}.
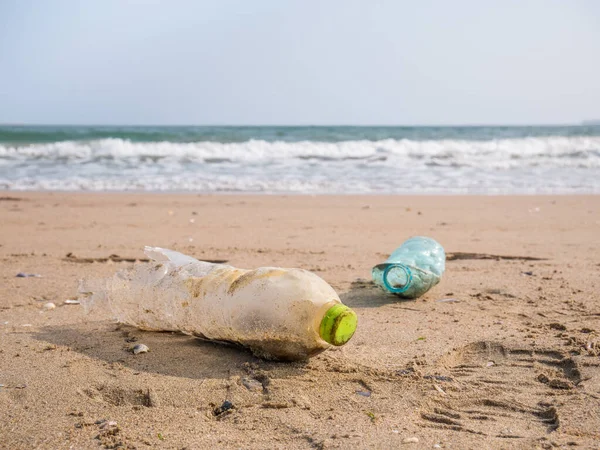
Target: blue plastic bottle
{"x": 414, "y": 268}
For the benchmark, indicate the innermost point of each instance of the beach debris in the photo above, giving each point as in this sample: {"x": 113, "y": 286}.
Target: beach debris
{"x": 439, "y": 389}
{"x": 437, "y": 377}
{"x": 455, "y": 256}
{"x": 275, "y": 405}
{"x": 557, "y": 383}
{"x": 251, "y": 384}
{"x": 140, "y": 348}
{"x": 107, "y": 424}
{"x": 542, "y": 378}
{"x": 179, "y": 292}
{"x": 226, "y": 406}
{"x": 70, "y": 257}
{"x": 395, "y": 431}
{"x": 448, "y": 300}
{"x": 71, "y": 302}
{"x": 412, "y": 269}
{"x": 410, "y": 440}
{"x": 364, "y": 393}
{"x": 490, "y": 364}
{"x": 437, "y": 446}
{"x": 49, "y": 306}
{"x": 529, "y": 273}
{"x": 28, "y": 275}
{"x": 371, "y": 416}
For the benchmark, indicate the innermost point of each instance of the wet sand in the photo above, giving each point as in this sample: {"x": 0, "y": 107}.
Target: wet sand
{"x": 503, "y": 353}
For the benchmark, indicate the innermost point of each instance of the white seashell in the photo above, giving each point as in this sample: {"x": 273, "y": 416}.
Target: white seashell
{"x": 140, "y": 348}
{"x": 49, "y": 306}
{"x": 72, "y": 302}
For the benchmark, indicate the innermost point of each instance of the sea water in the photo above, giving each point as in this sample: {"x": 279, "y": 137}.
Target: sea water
{"x": 341, "y": 160}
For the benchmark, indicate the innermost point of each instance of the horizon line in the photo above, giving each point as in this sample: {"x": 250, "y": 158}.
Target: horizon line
{"x": 523, "y": 125}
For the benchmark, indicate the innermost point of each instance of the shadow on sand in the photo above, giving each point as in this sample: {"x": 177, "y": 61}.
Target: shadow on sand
{"x": 171, "y": 354}
{"x": 364, "y": 294}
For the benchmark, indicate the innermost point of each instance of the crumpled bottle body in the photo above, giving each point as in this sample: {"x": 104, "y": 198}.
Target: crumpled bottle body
{"x": 412, "y": 269}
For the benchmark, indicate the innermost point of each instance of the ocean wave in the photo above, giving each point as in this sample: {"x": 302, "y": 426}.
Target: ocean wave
{"x": 500, "y": 154}
{"x": 555, "y": 164}
{"x": 419, "y": 182}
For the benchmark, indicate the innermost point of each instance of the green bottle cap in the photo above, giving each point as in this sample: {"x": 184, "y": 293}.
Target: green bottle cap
{"x": 338, "y": 325}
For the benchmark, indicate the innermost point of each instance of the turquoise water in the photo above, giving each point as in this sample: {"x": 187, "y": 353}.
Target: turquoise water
{"x": 553, "y": 159}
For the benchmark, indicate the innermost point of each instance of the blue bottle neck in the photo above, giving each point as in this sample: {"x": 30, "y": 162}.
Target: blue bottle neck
{"x": 394, "y": 266}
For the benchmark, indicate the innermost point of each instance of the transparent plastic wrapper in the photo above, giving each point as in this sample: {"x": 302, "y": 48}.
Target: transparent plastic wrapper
{"x": 412, "y": 269}
{"x": 285, "y": 314}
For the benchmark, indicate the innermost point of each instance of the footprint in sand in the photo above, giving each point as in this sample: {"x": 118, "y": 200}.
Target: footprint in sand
{"x": 503, "y": 392}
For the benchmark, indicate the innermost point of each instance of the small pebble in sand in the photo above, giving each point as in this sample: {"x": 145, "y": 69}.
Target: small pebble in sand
{"x": 49, "y": 306}
{"x": 108, "y": 424}
{"x": 411, "y": 440}
{"x": 226, "y": 406}
{"x": 140, "y": 348}
{"x": 437, "y": 446}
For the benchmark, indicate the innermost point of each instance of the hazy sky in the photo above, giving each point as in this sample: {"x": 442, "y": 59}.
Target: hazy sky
{"x": 299, "y": 62}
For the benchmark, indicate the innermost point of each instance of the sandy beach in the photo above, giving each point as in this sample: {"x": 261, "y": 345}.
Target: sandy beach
{"x": 503, "y": 353}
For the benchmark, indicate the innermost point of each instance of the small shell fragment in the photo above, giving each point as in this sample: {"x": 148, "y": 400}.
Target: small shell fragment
{"x": 411, "y": 440}
{"x": 140, "y": 348}
{"x": 72, "y": 302}
{"x": 49, "y": 306}
{"x": 439, "y": 389}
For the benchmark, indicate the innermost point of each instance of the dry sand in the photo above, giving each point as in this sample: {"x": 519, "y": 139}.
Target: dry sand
{"x": 511, "y": 362}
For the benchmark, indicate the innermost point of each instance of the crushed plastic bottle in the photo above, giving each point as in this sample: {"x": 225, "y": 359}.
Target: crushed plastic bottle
{"x": 285, "y": 314}
{"x": 412, "y": 269}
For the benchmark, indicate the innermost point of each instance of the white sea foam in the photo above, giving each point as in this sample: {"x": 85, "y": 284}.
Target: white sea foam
{"x": 533, "y": 164}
